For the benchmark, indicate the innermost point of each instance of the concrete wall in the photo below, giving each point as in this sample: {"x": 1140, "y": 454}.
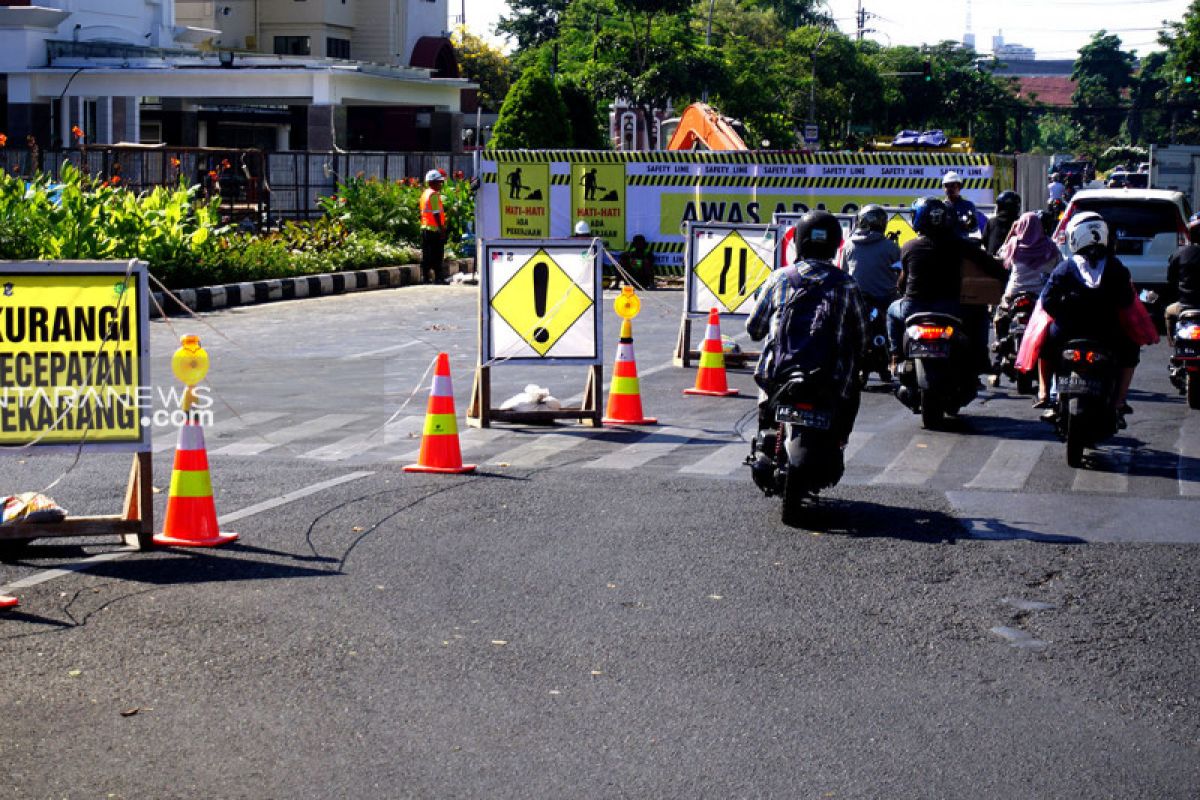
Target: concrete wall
{"x": 423, "y": 18}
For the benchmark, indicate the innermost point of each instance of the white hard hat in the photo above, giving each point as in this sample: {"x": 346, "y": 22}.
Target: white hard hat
{"x": 434, "y": 175}
{"x": 582, "y": 228}
{"x": 951, "y": 177}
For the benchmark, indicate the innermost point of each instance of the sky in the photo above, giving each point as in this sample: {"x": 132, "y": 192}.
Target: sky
{"x": 1053, "y": 28}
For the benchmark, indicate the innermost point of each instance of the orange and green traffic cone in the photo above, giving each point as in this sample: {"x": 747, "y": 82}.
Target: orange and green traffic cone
{"x": 624, "y": 397}
{"x": 710, "y": 377}
{"x": 439, "y": 444}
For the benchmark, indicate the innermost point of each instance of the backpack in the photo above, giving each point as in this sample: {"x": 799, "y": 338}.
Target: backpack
{"x": 805, "y": 340}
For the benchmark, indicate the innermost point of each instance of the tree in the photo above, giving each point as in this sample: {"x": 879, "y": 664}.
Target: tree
{"x": 1102, "y": 72}
{"x": 485, "y": 65}
{"x": 1181, "y": 73}
{"x": 1148, "y": 121}
{"x": 533, "y": 115}
{"x": 533, "y": 22}
{"x": 586, "y": 131}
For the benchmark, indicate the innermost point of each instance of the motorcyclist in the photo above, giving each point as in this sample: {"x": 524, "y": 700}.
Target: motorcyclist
{"x": 1008, "y": 208}
{"x": 1183, "y": 276}
{"x": 872, "y": 258}
{"x": 1029, "y": 256}
{"x": 931, "y": 273}
{"x": 1056, "y": 190}
{"x": 818, "y": 236}
{"x": 1085, "y": 296}
{"x": 963, "y": 210}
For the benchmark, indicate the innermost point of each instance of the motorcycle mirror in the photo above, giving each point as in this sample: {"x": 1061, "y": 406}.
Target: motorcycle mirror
{"x": 1148, "y": 296}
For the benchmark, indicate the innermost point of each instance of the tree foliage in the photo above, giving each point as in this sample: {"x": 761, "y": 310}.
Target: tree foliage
{"x": 533, "y": 115}
{"x": 485, "y": 65}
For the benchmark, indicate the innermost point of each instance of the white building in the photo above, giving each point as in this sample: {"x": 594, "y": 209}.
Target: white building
{"x": 1011, "y": 52}
{"x": 276, "y": 74}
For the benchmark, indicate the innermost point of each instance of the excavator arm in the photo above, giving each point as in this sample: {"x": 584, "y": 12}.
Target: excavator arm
{"x": 702, "y": 128}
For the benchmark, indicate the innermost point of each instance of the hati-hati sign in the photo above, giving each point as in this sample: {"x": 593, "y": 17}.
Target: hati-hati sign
{"x": 541, "y": 301}
{"x": 74, "y": 354}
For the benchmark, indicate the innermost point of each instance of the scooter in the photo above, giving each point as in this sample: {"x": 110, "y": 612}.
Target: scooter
{"x": 1086, "y": 380}
{"x": 935, "y": 376}
{"x": 1185, "y": 362}
{"x": 801, "y": 454}
{"x": 1004, "y": 348}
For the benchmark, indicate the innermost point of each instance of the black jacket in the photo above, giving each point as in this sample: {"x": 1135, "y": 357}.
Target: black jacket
{"x": 1183, "y": 274}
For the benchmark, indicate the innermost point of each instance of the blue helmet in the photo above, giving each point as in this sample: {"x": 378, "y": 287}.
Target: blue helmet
{"x": 930, "y": 215}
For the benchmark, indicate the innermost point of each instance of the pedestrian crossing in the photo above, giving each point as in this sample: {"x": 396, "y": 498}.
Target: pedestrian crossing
{"x": 890, "y": 452}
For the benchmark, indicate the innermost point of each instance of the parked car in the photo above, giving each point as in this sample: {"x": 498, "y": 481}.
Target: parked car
{"x": 1148, "y": 225}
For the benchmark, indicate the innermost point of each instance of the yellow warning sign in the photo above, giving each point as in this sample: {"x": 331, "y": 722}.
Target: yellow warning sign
{"x": 899, "y": 230}
{"x": 541, "y": 302}
{"x": 732, "y": 271}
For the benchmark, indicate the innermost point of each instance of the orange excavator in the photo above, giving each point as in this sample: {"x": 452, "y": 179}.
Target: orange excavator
{"x": 702, "y": 128}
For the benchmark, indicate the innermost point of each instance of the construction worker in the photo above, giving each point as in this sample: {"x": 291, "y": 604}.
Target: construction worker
{"x": 962, "y": 210}
{"x": 434, "y": 231}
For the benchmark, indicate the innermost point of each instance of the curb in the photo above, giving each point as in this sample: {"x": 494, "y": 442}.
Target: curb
{"x": 229, "y": 295}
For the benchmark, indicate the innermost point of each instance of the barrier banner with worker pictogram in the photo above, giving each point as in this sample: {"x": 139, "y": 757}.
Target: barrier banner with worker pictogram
{"x": 525, "y": 201}
{"x": 656, "y": 193}
{"x": 541, "y": 301}
{"x": 74, "y": 354}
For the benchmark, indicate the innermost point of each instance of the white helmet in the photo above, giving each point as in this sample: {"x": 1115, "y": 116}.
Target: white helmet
{"x": 582, "y": 228}
{"x": 952, "y": 177}
{"x": 434, "y": 175}
{"x": 1086, "y": 230}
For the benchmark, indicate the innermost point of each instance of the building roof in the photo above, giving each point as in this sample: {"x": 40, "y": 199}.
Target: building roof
{"x": 1050, "y": 91}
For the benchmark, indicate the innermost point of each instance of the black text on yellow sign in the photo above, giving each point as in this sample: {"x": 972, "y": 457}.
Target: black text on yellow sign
{"x": 540, "y": 302}
{"x": 524, "y": 201}
{"x": 732, "y": 271}
{"x": 598, "y": 198}
{"x": 70, "y": 359}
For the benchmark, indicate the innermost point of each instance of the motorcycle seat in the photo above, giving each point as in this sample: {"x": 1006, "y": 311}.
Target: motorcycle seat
{"x": 933, "y": 318}
{"x": 1190, "y": 315}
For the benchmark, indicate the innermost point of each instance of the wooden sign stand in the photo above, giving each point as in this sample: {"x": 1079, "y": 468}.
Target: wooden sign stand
{"x": 685, "y": 355}
{"x": 480, "y": 413}
{"x": 135, "y": 523}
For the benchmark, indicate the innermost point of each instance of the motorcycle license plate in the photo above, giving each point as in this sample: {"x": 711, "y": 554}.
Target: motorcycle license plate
{"x": 804, "y": 417}
{"x": 1186, "y": 349}
{"x": 1077, "y": 384}
{"x": 934, "y": 349}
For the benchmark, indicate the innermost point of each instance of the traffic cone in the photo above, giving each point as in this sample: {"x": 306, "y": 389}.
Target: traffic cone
{"x": 710, "y": 377}
{"x": 7, "y": 602}
{"x": 439, "y": 444}
{"x": 624, "y": 398}
{"x": 191, "y": 514}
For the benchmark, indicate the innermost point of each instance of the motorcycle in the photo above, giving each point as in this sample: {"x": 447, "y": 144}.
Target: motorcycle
{"x": 875, "y": 360}
{"x": 1086, "y": 380}
{"x": 801, "y": 454}
{"x": 1004, "y": 348}
{"x": 935, "y": 376}
{"x": 1185, "y": 362}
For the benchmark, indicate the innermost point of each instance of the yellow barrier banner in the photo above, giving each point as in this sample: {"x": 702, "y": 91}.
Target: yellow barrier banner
{"x": 73, "y": 354}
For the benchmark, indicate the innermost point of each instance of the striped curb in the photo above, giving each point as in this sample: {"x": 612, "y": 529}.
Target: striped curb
{"x": 214, "y": 298}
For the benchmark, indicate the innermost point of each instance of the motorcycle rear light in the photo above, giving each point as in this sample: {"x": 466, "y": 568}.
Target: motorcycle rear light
{"x": 1022, "y": 303}
{"x": 1072, "y": 355}
{"x": 926, "y": 332}
{"x": 1094, "y": 358}
{"x": 1060, "y": 233}
{"x": 1191, "y": 332}
{"x": 803, "y": 406}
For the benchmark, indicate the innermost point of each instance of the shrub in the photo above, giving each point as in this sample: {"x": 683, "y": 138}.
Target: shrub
{"x": 391, "y": 210}
{"x": 533, "y": 115}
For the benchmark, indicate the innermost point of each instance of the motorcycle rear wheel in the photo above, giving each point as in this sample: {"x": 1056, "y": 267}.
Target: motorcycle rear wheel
{"x": 1074, "y": 440}
{"x": 931, "y": 412}
{"x": 793, "y": 497}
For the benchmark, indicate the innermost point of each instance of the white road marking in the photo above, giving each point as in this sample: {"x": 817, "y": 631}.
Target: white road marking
{"x": 327, "y": 422}
{"x": 248, "y": 511}
{"x": 1109, "y": 473}
{"x": 1009, "y": 466}
{"x": 359, "y": 443}
{"x": 382, "y": 351}
{"x": 723, "y": 461}
{"x": 468, "y": 440}
{"x": 541, "y": 448}
{"x": 1189, "y": 457}
{"x": 170, "y": 436}
{"x": 647, "y": 449}
{"x": 917, "y": 462}
{"x": 858, "y": 440}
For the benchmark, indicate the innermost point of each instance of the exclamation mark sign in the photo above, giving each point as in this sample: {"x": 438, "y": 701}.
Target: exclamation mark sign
{"x": 541, "y": 286}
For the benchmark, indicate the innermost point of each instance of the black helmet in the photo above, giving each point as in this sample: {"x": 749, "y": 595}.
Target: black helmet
{"x": 1010, "y": 202}
{"x": 930, "y": 216}
{"x": 872, "y": 218}
{"x": 818, "y": 235}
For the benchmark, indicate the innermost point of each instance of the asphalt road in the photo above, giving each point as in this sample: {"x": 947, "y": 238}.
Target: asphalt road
{"x": 613, "y": 613}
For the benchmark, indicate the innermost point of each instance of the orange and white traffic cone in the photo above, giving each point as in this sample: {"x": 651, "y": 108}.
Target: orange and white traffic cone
{"x": 710, "y": 377}
{"x": 439, "y": 444}
{"x": 191, "y": 513}
{"x": 8, "y": 602}
{"x": 624, "y": 397}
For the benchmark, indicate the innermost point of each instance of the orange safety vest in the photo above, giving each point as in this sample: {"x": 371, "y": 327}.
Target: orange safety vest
{"x": 432, "y": 211}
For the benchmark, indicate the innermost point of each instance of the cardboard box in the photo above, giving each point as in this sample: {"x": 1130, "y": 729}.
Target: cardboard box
{"x": 979, "y": 288}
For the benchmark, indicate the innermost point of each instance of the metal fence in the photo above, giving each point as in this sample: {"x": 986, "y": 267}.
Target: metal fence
{"x": 251, "y": 183}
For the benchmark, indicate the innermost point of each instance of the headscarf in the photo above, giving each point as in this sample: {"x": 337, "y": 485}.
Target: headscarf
{"x": 1027, "y": 243}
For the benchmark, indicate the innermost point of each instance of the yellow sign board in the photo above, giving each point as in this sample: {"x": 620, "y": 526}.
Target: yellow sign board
{"x": 541, "y": 302}
{"x": 899, "y": 230}
{"x": 598, "y": 198}
{"x": 72, "y": 349}
{"x": 732, "y": 271}
{"x": 524, "y": 201}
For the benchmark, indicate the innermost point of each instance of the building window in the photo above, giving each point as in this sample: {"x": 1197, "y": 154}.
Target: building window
{"x": 293, "y": 46}
{"x": 337, "y": 48}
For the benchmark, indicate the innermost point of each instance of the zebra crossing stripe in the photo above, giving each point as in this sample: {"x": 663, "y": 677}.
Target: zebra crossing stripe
{"x": 543, "y": 446}
{"x": 1108, "y": 472}
{"x": 166, "y": 441}
{"x": 294, "y": 433}
{"x": 1009, "y": 466}
{"x": 360, "y": 443}
{"x": 468, "y": 440}
{"x": 1189, "y": 457}
{"x": 723, "y": 461}
{"x": 646, "y": 449}
{"x": 917, "y": 462}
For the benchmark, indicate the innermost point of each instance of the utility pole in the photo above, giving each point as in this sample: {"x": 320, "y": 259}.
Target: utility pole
{"x": 860, "y": 22}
